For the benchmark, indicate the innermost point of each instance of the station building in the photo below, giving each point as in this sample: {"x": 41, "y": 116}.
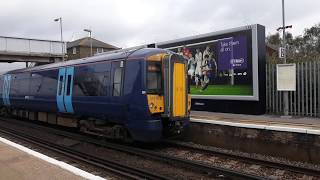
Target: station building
{"x": 81, "y": 48}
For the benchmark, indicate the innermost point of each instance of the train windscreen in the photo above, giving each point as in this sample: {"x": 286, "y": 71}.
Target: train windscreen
{"x": 154, "y": 77}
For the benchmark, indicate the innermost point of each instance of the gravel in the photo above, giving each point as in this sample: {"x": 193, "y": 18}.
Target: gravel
{"x": 222, "y": 161}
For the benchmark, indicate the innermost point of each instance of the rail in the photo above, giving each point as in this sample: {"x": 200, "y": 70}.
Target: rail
{"x": 251, "y": 160}
{"x": 149, "y": 154}
{"x": 114, "y": 167}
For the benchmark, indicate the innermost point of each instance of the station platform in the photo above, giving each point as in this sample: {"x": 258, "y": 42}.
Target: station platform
{"x": 19, "y": 162}
{"x": 267, "y": 122}
{"x": 292, "y": 138}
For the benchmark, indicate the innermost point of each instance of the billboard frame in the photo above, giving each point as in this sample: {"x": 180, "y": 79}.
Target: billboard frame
{"x": 255, "y": 60}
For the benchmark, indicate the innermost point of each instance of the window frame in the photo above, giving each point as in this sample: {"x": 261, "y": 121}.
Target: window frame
{"x": 102, "y": 79}
{"x": 158, "y": 90}
{"x": 68, "y": 81}
{"x": 61, "y": 86}
{"x": 74, "y": 50}
{"x": 99, "y": 50}
{"x": 120, "y": 71}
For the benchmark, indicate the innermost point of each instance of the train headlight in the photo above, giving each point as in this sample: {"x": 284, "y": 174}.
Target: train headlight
{"x": 155, "y": 103}
{"x": 151, "y": 105}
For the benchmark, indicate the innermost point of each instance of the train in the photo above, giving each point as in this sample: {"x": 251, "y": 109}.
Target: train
{"x": 138, "y": 94}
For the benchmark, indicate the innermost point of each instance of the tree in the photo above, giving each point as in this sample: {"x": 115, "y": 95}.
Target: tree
{"x": 300, "y": 48}
{"x": 273, "y": 39}
{"x": 312, "y": 38}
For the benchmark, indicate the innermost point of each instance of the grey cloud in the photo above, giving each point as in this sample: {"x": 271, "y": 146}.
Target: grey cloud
{"x": 134, "y": 22}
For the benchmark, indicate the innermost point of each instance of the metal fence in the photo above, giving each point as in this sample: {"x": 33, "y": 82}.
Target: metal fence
{"x": 305, "y": 101}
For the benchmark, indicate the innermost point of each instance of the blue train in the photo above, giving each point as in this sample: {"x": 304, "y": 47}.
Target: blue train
{"x": 137, "y": 94}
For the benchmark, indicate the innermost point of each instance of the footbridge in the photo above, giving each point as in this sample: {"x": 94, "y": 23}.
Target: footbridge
{"x": 13, "y": 49}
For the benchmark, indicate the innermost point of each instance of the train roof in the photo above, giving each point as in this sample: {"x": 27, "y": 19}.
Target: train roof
{"x": 136, "y": 53}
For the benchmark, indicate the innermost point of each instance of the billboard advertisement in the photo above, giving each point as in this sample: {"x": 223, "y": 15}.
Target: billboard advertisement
{"x": 221, "y": 65}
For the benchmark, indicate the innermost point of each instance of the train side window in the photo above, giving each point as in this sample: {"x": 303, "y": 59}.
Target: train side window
{"x": 117, "y": 82}
{"x": 48, "y": 84}
{"x": 69, "y": 85}
{"x": 35, "y": 84}
{"x": 92, "y": 84}
{"x": 60, "y": 85}
{"x": 20, "y": 85}
{"x": 104, "y": 81}
{"x": 14, "y": 86}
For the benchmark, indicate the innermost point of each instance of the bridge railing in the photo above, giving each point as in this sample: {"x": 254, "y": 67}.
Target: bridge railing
{"x": 12, "y": 45}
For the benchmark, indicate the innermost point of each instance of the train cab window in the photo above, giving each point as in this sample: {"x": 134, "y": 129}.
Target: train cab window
{"x": 117, "y": 82}
{"x": 154, "y": 77}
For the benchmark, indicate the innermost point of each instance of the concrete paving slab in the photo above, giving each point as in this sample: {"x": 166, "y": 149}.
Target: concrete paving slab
{"x": 15, "y": 164}
{"x": 19, "y": 162}
{"x": 268, "y": 122}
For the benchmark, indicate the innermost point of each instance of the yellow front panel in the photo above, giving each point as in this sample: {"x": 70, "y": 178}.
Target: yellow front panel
{"x": 156, "y": 103}
{"x": 179, "y": 90}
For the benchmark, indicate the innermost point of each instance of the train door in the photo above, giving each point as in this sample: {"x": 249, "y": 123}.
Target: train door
{"x": 176, "y": 87}
{"x": 1, "y": 90}
{"x": 117, "y": 75}
{"x": 64, "y": 90}
{"x": 118, "y": 106}
{"x": 179, "y": 88}
{"x": 6, "y": 90}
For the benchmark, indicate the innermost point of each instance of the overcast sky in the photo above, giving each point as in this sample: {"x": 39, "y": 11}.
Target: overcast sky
{"x": 126, "y": 23}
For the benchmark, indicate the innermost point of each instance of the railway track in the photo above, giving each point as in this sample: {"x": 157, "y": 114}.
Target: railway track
{"x": 111, "y": 166}
{"x": 251, "y": 160}
{"x": 215, "y": 171}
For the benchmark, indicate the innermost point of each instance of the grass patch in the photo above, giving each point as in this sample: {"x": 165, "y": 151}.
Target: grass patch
{"x": 243, "y": 90}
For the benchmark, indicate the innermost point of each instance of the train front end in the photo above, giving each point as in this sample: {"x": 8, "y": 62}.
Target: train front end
{"x": 167, "y": 92}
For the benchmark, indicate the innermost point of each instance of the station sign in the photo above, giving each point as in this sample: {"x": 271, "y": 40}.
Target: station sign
{"x": 286, "y": 77}
{"x": 282, "y": 52}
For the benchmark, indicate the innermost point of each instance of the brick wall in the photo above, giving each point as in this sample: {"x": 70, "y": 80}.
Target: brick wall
{"x": 83, "y": 52}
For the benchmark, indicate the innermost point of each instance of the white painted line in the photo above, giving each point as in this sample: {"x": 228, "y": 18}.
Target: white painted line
{"x": 313, "y": 131}
{"x": 55, "y": 162}
{"x": 286, "y": 129}
{"x": 257, "y": 126}
{"x": 245, "y": 125}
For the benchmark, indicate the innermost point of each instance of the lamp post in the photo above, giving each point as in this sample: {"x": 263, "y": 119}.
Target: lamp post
{"x": 283, "y": 28}
{"x": 62, "y": 44}
{"x": 89, "y": 31}
{"x": 285, "y": 93}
